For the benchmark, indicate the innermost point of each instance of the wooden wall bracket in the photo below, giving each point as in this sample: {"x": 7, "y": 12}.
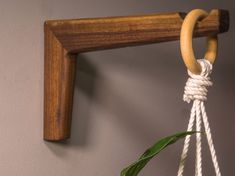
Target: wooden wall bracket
{"x": 64, "y": 39}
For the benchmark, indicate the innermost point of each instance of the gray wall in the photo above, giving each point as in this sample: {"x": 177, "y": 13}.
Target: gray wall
{"x": 125, "y": 99}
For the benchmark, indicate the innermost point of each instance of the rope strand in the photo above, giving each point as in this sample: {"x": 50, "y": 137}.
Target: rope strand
{"x": 187, "y": 141}
{"x": 198, "y": 168}
{"x": 210, "y": 141}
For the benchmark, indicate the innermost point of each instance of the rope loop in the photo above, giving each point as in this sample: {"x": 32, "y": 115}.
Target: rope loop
{"x": 196, "y": 86}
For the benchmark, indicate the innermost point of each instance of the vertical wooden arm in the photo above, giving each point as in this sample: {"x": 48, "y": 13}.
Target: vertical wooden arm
{"x": 59, "y": 73}
{"x": 64, "y": 39}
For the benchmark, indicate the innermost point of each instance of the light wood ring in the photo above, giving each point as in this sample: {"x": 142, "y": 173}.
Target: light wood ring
{"x": 186, "y": 43}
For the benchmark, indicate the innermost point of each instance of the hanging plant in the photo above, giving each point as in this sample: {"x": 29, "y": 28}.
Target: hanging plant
{"x": 135, "y": 168}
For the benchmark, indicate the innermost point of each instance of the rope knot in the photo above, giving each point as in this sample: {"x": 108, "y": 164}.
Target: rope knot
{"x": 196, "y": 85}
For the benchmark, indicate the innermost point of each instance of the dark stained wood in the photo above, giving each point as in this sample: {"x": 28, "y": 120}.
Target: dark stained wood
{"x": 66, "y": 38}
{"x": 59, "y": 74}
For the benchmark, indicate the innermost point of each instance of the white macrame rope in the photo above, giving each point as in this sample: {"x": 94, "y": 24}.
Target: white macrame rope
{"x": 196, "y": 91}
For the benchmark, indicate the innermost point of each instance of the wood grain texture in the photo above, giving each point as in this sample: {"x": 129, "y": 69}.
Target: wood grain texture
{"x": 59, "y": 74}
{"x": 64, "y": 39}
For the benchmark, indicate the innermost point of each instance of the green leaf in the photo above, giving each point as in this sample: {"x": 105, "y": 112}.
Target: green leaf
{"x": 138, "y": 165}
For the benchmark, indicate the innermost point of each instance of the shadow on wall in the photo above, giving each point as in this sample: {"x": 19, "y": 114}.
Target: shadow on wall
{"x": 85, "y": 83}
{"x": 122, "y": 86}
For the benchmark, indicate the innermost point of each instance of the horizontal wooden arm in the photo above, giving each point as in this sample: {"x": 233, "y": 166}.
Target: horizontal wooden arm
{"x": 66, "y": 38}
{"x": 83, "y": 35}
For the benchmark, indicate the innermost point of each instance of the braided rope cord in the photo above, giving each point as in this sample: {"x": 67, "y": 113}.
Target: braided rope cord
{"x": 196, "y": 91}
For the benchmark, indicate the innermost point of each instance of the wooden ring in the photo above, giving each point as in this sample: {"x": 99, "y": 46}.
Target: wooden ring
{"x": 186, "y": 45}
